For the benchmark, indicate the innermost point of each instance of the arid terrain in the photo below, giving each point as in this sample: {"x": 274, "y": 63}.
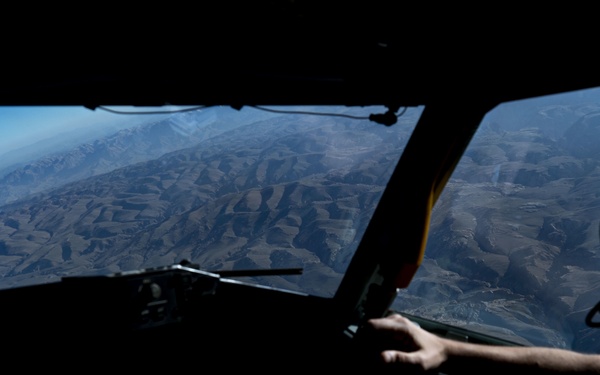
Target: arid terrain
{"x": 513, "y": 242}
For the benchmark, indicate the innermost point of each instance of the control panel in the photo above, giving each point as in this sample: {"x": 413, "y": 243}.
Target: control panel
{"x": 135, "y": 300}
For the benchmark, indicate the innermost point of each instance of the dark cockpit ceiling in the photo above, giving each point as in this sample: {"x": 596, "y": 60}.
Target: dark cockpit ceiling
{"x": 385, "y": 75}
{"x": 296, "y": 52}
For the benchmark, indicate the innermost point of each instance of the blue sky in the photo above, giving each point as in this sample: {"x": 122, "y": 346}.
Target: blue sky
{"x": 20, "y": 126}
{"x": 25, "y": 125}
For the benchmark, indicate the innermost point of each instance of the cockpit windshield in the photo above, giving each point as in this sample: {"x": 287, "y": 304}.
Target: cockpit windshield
{"x": 278, "y": 196}
{"x": 514, "y": 248}
{"x": 281, "y": 196}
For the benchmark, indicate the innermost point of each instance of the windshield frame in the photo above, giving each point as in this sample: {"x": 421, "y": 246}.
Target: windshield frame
{"x": 393, "y": 245}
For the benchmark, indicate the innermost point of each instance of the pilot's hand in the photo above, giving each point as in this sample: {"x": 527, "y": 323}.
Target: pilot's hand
{"x": 407, "y": 344}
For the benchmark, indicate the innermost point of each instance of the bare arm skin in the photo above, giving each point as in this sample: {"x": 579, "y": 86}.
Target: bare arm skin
{"x": 417, "y": 349}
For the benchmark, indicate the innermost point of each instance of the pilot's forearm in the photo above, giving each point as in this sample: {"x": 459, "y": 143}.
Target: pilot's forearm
{"x": 463, "y": 356}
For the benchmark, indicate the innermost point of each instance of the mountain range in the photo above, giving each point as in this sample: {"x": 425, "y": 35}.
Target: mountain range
{"x": 514, "y": 239}
{"x": 271, "y": 191}
{"x": 513, "y": 243}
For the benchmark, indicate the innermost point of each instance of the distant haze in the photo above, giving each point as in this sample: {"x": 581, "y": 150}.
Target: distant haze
{"x": 24, "y": 125}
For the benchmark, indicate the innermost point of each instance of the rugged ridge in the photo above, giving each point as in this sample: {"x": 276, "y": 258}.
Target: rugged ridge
{"x": 277, "y": 192}
{"x": 514, "y": 239}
